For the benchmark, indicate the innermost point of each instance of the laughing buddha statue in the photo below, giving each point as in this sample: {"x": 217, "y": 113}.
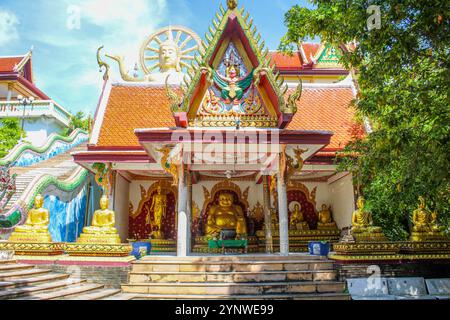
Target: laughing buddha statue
{"x": 35, "y": 228}
{"x": 102, "y": 229}
{"x": 226, "y": 215}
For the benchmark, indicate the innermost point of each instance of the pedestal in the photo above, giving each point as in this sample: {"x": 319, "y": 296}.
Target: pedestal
{"x": 33, "y": 249}
{"x": 99, "y": 238}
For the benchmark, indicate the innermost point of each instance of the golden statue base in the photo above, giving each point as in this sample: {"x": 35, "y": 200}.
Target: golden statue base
{"x": 387, "y": 251}
{"x": 298, "y": 239}
{"x": 428, "y": 236}
{"x": 367, "y": 248}
{"x": 332, "y": 226}
{"x": 163, "y": 245}
{"x": 33, "y": 249}
{"x": 98, "y": 250}
{"x": 99, "y": 239}
{"x": 369, "y": 237}
{"x": 309, "y": 234}
{"x": 24, "y": 237}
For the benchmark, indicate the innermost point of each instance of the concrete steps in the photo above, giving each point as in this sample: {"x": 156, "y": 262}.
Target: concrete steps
{"x": 249, "y": 288}
{"x": 32, "y": 280}
{"x": 25, "y": 282}
{"x": 233, "y": 277}
{"x": 314, "y": 296}
{"x": 248, "y": 277}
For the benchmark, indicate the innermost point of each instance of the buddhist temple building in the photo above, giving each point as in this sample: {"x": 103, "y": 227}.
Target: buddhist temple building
{"x": 41, "y": 115}
{"x": 220, "y": 135}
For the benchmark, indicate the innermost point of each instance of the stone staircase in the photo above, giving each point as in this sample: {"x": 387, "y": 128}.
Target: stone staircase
{"x": 295, "y": 277}
{"x": 60, "y": 166}
{"x": 26, "y": 282}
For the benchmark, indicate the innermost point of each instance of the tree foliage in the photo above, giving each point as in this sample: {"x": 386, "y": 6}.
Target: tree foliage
{"x": 403, "y": 76}
{"x": 78, "y": 121}
{"x": 10, "y": 133}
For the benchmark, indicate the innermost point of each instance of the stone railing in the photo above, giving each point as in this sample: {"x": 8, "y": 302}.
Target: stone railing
{"x": 24, "y": 154}
{"x": 39, "y": 108}
{"x": 43, "y": 184}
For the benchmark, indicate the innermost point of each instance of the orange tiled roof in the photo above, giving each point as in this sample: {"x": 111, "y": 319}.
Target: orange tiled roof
{"x": 310, "y": 49}
{"x": 7, "y": 64}
{"x": 326, "y": 109}
{"x": 284, "y": 61}
{"x": 133, "y": 107}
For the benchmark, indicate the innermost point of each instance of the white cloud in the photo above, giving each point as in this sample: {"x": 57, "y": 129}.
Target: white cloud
{"x": 126, "y": 24}
{"x": 8, "y": 27}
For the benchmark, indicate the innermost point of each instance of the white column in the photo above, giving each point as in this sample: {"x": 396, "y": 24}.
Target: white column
{"x": 283, "y": 216}
{"x": 182, "y": 230}
{"x": 189, "y": 211}
{"x": 9, "y": 94}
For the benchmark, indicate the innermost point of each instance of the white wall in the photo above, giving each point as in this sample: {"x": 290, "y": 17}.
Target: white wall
{"x": 121, "y": 203}
{"x": 342, "y": 200}
{"x": 38, "y": 130}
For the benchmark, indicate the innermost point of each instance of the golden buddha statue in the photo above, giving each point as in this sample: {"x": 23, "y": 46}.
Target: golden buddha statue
{"x": 226, "y": 215}
{"x": 434, "y": 224}
{"x": 159, "y": 206}
{"x": 102, "y": 229}
{"x": 425, "y": 224}
{"x": 326, "y": 219}
{"x": 362, "y": 221}
{"x": 35, "y": 228}
{"x": 297, "y": 220}
{"x": 420, "y": 218}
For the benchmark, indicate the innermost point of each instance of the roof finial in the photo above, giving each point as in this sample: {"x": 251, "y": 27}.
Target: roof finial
{"x": 232, "y": 4}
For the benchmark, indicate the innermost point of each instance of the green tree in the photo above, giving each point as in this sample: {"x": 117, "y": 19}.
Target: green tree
{"x": 403, "y": 75}
{"x": 78, "y": 121}
{"x": 10, "y": 132}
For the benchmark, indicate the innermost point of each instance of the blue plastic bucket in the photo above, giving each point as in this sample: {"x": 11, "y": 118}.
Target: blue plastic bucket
{"x": 141, "y": 249}
{"x": 319, "y": 248}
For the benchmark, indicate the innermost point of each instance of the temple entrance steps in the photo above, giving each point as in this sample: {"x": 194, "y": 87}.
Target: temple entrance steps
{"x": 60, "y": 166}
{"x": 26, "y": 282}
{"x": 298, "y": 276}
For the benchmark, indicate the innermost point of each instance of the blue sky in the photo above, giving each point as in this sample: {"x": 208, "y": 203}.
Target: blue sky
{"x": 64, "y": 56}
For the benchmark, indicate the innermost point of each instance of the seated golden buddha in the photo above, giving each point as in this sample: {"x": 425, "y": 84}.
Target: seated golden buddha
{"x": 326, "y": 219}
{"x": 425, "y": 224}
{"x": 226, "y": 216}
{"x": 35, "y": 228}
{"x": 362, "y": 221}
{"x": 434, "y": 224}
{"x": 102, "y": 229}
{"x": 297, "y": 220}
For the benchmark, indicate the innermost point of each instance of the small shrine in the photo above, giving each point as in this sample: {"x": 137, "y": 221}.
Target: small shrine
{"x": 213, "y": 140}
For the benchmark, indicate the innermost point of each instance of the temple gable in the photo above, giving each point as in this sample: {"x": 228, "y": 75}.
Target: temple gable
{"x": 233, "y": 82}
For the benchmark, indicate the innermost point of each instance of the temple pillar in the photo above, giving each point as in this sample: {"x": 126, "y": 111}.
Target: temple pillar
{"x": 183, "y": 234}
{"x": 189, "y": 210}
{"x": 267, "y": 215}
{"x": 283, "y": 215}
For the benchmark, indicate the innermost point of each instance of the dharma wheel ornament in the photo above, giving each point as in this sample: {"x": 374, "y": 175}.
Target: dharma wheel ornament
{"x": 169, "y": 47}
